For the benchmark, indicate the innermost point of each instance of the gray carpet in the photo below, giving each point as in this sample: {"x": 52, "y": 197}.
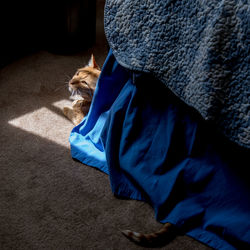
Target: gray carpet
{"x": 47, "y": 200}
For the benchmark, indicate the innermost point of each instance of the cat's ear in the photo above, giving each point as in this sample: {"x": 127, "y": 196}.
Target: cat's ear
{"x": 92, "y": 63}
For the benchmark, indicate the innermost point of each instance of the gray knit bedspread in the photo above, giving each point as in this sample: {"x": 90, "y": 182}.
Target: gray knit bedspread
{"x": 198, "y": 48}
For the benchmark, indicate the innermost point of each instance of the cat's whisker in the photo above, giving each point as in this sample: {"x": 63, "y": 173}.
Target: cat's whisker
{"x": 68, "y": 77}
{"x": 60, "y": 87}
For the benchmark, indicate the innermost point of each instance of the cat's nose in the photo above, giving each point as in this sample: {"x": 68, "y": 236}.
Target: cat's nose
{"x": 72, "y": 82}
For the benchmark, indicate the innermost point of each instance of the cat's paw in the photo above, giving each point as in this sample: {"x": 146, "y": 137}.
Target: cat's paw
{"x": 66, "y": 111}
{"x": 77, "y": 103}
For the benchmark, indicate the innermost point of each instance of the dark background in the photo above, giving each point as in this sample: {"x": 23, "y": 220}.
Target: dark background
{"x": 47, "y": 200}
{"x": 56, "y": 26}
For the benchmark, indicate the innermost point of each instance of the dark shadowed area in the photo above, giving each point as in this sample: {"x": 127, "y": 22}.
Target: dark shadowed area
{"x": 48, "y": 200}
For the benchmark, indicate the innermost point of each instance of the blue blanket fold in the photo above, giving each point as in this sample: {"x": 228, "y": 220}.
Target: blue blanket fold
{"x": 198, "y": 49}
{"x": 165, "y": 154}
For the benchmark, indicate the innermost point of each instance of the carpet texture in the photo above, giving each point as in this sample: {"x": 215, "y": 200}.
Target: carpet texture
{"x": 47, "y": 200}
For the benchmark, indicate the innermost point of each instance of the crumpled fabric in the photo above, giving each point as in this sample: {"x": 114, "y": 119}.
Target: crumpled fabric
{"x": 199, "y": 49}
{"x": 165, "y": 154}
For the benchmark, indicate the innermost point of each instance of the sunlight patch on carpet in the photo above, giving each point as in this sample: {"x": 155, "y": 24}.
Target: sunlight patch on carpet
{"x": 46, "y": 123}
{"x": 62, "y": 103}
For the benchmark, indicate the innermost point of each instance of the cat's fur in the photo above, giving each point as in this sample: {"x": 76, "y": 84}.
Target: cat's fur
{"x": 82, "y": 86}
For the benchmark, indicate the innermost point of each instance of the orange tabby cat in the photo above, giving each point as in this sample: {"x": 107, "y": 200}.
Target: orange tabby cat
{"x": 82, "y": 87}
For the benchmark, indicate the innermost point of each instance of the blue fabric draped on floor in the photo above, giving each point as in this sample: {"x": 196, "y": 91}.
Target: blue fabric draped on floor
{"x": 163, "y": 153}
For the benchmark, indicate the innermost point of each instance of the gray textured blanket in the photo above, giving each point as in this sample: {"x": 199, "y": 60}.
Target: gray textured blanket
{"x": 199, "y": 49}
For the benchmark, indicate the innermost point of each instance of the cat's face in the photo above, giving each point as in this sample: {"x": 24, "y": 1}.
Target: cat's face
{"x": 83, "y": 83}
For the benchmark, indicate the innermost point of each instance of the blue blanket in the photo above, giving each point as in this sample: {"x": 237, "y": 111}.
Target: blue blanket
{"x": 198, "y": 49}
{"x": 157, "y": 149}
